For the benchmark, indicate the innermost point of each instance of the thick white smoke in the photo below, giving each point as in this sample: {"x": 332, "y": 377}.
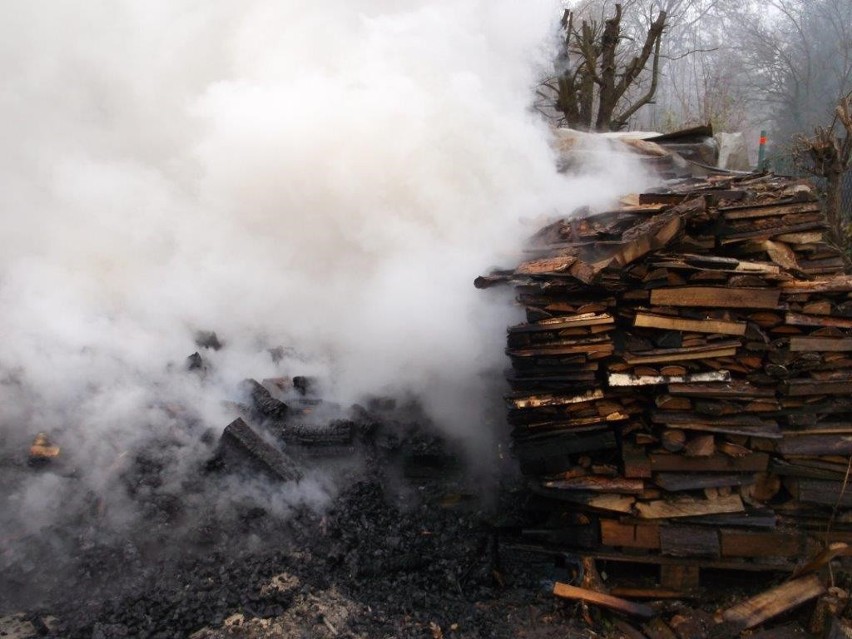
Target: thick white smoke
{"x": 328, "y": 176}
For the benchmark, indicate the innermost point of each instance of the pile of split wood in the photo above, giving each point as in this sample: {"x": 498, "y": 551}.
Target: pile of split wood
{"x": 681, "y": 388}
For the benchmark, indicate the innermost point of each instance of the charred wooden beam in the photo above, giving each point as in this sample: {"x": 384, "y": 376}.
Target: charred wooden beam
{"x": 239, "y": 439}
{"x": 262, "y": 401}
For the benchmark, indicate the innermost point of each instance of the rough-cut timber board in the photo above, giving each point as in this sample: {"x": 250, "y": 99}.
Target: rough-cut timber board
{"x": 566, "y": 591}
{"x": 732, "y": 390}
{"x": 558, "y": 323}
{"x": 804, "y": 387}
{"x": 818, "y": 491}
{"x": 611, "y": 503}
{"x": 688, "y": 507}
{"x": 831, "y": 344}
{"x": 746, "y": 212}
{"x": 742, "y": 543}
{"x": 689, "y": 541}
{"x": 622, "y": 535}
{"x": 556, "y": 264}
{"x": 764, "y": 432}
{"x": 596, "y": 483}
{"x": 754, "y": 463}
{"x": 660, "y": 355}
{"x": 807, "y": 237}
{"x": 755, "y": 611}
{"x": 550, "y": 399}
{"x": 715, "y": 297}
{"x": 721, "y": 327}
{"x": 626, "y": 379}
{"x": 675, "y": 482}
{"x": 803, "y": 443}
{"x": 800, "y": 319}
{"x": 777, "y": 564}
{"x": 838, "y": 284}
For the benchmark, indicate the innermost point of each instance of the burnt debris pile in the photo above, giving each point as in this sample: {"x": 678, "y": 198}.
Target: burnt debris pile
{"x": 256, "y": 535}
{"x": 681, "y": 387}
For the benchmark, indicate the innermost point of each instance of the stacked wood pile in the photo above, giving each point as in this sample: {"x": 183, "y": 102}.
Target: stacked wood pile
{"x": 681, "y": 387}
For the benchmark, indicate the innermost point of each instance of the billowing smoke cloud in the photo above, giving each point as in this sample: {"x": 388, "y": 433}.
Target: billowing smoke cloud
{"x": 326, "y": 176}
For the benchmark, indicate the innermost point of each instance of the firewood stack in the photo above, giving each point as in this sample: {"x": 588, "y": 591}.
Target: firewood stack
{"x": 681, "y": 388}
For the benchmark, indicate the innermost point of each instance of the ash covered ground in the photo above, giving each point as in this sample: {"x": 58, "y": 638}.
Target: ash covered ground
{"x": 406, "y": 537}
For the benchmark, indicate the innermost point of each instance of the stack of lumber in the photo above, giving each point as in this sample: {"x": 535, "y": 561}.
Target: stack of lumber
{"x": 681, "y": 387}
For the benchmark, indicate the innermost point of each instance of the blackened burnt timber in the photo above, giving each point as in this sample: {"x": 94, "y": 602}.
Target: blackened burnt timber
{"x": 263, "y": 404}
{"x": 697, "y": 350}
{"x": 240, "y": 440}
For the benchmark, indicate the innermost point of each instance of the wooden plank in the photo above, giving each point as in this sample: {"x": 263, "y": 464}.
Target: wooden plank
{"x": 688, "y": 507}
{"x": 624, "y": 535}
{"x": 551, "y": 399}
{"x": 801, "y": 319}
{"x": 731, "y": 390}
{"x": 755, "y": 463}
{"x": 626, "y": 379}
{"x": 721, "y": 327}
{"x": 648, "y": 593}
{"x": 239, "y": 440}
{"x": 715, "y": 297}
{"x": 566, "y": 591}
{"x": 772, "y": 232}
{"x": 806, "y": 237}
{"x": 597, "y": 483}
{"x": 754, "y": 611}
{"x": 557, "y": 264}
{"x": 676, "y": 482}
{"x": 767, "y": 210}
{"x": 805, "y": 387}
{"x": 838, "y": 284}
{"x": 742, "y": 543}
{"x": 809, "y": 344}
{"x": 802, "y": 443}
{"x": 689, "y": 541}
{"x": 659, "y": 355}
{"x": 818, "y": 491}
{"x": 631, "y": 556}
{"x": 767, "y": 431}
{"x": 622, "y": 504}
{"x": 558, "y": 323}
{"x": 599, "y": 347}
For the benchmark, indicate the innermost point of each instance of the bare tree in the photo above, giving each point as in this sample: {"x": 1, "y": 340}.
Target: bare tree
{"x": 680, "y": 68}
{"x": 797, "y": 57}
{"x": 828, "y": 154}
{"x": 596, "y": 75}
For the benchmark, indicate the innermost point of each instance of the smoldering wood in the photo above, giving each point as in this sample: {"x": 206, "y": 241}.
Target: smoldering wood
{"x": 262, "y": 401}
{"x": 240, "y": 441}
{"x": 336, "y": 433}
